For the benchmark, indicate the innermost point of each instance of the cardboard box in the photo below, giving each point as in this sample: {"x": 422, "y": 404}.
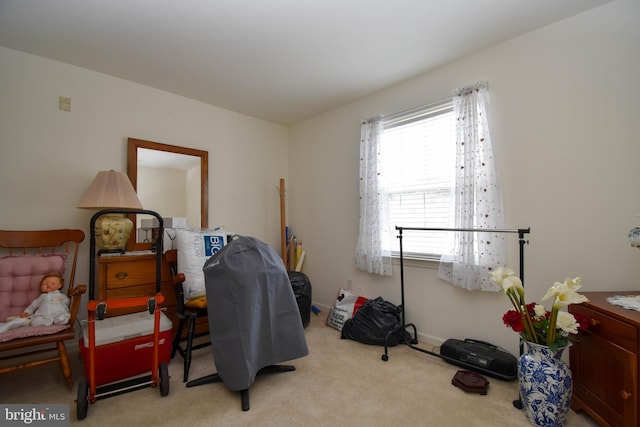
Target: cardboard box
{"x": 166, "y": 222}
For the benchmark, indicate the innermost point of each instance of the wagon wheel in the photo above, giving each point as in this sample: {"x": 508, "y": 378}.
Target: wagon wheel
{"x": 164, "y": 379}
{"x": 82, "y": 402}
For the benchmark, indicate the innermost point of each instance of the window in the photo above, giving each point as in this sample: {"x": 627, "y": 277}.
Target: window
{"x": 417, "y": 166}
{"x": 417, "y": 154}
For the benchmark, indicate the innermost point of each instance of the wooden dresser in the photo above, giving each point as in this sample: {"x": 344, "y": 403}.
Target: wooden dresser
{"x": 605, "y": 361}
{"x": 134, "y": 275}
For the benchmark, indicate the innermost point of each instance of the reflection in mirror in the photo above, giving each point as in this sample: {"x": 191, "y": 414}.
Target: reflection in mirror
{"x": 168, "y": 183}
{"x": 170, "y": 180}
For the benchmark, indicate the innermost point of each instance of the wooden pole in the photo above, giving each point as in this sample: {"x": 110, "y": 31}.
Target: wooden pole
{"x": 283, "y": 223}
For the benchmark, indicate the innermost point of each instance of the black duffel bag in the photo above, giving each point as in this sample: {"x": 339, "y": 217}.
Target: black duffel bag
{"x": 372, "y": 323}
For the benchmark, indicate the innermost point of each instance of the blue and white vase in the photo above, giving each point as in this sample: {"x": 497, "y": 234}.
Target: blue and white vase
{"x": 634, "y": 236}
{"x": 545, "y": 385}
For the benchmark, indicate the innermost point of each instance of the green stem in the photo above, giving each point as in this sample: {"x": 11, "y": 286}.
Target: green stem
{"x": 518, "y": 304}
{"x": 514, "y": 302}
{"x": 551, "y": 329}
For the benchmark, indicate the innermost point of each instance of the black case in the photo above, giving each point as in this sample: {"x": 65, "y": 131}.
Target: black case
{"x": 480, "y": 356}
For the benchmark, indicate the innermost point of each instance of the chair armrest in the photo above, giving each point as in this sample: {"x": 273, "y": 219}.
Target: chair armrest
{"x": 74, "y": 306}
{"x": 78, "y": 291}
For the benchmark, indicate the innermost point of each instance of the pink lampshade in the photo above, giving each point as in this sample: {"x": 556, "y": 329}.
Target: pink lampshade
{"x": 110, "y": 190}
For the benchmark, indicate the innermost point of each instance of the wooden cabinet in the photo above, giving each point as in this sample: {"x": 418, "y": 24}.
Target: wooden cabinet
{"x": 604, "y": 362}
{"x": 134, "y": 275}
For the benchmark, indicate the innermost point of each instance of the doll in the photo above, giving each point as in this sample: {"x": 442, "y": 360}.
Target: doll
{"x": 50, "y": 308}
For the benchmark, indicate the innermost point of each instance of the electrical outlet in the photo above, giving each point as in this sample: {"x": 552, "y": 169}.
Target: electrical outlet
{"x": 349, "y": 284}
{"x": 65, "y": 103}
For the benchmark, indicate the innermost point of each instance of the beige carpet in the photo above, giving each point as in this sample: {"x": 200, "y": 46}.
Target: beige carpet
{"x": 340, "y": 382}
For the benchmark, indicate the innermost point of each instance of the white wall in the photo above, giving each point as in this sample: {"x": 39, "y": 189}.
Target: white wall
{"x": 48, "y": 157}
{"x": 565, "y": 106}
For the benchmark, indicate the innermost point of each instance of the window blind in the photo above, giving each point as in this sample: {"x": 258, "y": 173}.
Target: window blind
{"x": 418, "y": 163}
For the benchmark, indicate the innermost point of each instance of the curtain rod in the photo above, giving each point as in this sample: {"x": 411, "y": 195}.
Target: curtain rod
{"x": 455, "y": 93}
{"x": 416, "y": 109}
{"x": 488, "y": 230}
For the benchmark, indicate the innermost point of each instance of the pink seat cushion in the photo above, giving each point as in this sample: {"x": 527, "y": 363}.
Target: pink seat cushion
{"x": 20, "y": 280}
{"x": 31, "y": 331}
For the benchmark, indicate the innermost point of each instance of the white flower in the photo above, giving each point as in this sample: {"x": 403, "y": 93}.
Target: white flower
{"x": 540, "y": 311}
{"x": 499, "y": 274}
{"x": 508, "y": 281}
{"x": 567, "y": 285}
{"x": 574, "y": 283}
{"x": 569, "y": 297}
{"x": 513, "y": 283}
{"x": 567, "y": 323}
{"x": 555, "y": 290}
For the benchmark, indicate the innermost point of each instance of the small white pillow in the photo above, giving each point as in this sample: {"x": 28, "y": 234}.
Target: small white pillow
{"x": 195, "y": 246}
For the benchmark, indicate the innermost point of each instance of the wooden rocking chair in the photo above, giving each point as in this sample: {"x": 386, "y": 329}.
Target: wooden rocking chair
{"x": 25, "y": 257}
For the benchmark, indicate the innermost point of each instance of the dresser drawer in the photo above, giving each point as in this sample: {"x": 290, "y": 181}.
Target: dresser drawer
{"x": 613, "y": 330}
{"x": 132, "y": 276}
{"x": 132, "y": 273}
{"x": 149, "y": 289}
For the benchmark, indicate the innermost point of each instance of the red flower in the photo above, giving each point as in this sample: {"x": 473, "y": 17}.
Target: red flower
{"x": 583, "y": 322}
{"x": 530, "y": 309}
{"x": 513, "y": 319}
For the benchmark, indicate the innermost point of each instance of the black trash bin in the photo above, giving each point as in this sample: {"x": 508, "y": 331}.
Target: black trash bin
{"x": 302, "y": 290}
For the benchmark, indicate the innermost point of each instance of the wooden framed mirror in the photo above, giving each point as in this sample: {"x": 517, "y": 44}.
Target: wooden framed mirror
{"x": 165, "y": 159}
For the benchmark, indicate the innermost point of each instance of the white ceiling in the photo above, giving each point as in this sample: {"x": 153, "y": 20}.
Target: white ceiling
{"x": 279, "y": 60}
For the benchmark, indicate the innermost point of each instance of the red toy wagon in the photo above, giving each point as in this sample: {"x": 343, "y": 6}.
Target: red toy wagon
{"x": 118, "y": 351}
{"x": 128, "y": 352}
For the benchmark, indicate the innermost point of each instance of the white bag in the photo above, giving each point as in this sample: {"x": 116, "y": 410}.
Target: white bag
{"x": 344, "y": 307}
{"x": 195, "y": 247}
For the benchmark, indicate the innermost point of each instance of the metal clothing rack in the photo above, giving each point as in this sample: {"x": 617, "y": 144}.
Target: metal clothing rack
{"x": 411, "y": 341}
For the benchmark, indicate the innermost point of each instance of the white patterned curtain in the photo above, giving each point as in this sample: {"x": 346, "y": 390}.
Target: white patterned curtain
{"x": 372, "y": 251}
{"x": 477, "y": 200}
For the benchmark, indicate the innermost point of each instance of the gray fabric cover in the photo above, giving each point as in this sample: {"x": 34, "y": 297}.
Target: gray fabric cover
{"x": 254, "y": 320}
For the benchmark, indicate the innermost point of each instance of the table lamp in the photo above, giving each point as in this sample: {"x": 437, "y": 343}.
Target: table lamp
{"x": 111, "y": 190}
